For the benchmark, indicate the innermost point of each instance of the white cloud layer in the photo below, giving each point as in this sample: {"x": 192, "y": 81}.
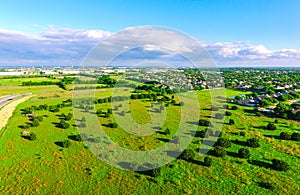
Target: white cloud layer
{"x": 69, "y": 47}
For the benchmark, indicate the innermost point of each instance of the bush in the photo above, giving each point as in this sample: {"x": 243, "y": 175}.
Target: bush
{"x": 66, "y": 143}
{"x": 156, "y": 172}
{"x": 276, "y": 121}
{"x": 227, "y": 113}
{"x": 63, "y": 124}
{"x": 113, "y": 125}
{"x": 109, "y": 111}
{"x": 285, "y": 136}
{"x": 231, "y": 122}
{"x": 280, "y": 165}
{"x": 35, "y": 122}
{"x": 78, "y": 138}
{"x": 271, "y": 126}
{"x": 167, "y": 132}
{"x": 39, "y": 118}
{"x": 203, "y": 122}
{"x": 219, "y": 151}
{"x": 296, "y": 136}
{"x": 69, "y": 117}
{"x": 244, "y": 153}
{"x": 234, "y": 107}
{"x": 258, "y": 114}
{"x": 32, "y": 136}
{"x": 223, "y": 142}
{"x": 253, "y": 142}
{"x": 225, "y": 106}
{"x": 188, "y": 154}
{"x": 207, "y": 161}
{"x": 242, "y": 133}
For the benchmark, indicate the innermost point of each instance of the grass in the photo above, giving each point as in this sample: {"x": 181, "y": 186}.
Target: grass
{"x": 41, "y": 166}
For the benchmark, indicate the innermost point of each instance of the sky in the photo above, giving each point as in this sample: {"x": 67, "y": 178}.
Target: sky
{"x": 237, "y": 32}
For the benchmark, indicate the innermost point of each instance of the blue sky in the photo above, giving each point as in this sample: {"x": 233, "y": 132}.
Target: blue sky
{"x": 274, "y": 24}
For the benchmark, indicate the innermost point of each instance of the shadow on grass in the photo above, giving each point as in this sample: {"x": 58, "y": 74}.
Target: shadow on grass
{"x": 238, "y": 142}
{"x": 273, "y": 136}
{"x": 233, "y": 154}
{"x": 260, "y": 164}
{"x": 60, "y": 144}
{"x": 163, "y": 139}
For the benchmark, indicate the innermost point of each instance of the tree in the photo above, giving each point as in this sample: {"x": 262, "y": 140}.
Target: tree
{"x": 39, "y": 118}
{"x": 296, "y": 136}
{"x": 188, "y": 154}
{"x": 253, "y": 142}
{"x": 227, "y": 113}
{"x": 203, "y": 122}
{"x": 285, "y": 136}
{"x": 207, "y": 161}
{"x": 83, "y": 119}
{"x": 69, "y": 117}
{"x": 63, "y": 124}
{"x": 244, "y": 153}
{"x": 280, "y": 165}
{"x": 223, "y": 142}
{"x": 219, "y": 151}
{"x": 66, "y": 143}
{"x": 271, "y": 126}
{"x": 109, "y": 111}
{"x": 231, "y": 122}
{"x": 234, "y": 108}
{"x": 32, "y": 136}
{"x": 35, "y": 122}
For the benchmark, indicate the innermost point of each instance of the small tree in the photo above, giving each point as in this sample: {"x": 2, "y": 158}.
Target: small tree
{"x": 234, "y": 108}
{"x": 280, "y": 165}
{"x": 167, "y": 132}
{"x": 296, "y": 136}
{"x": 285, "y": 136}
{"x": 39, "y": 118}
{"x": 219, "y": 151}
{"x": 188, "y": 154}
{"x": 231, "y": 122}
{"x": 271, "y": 126}
{"x": 207, "y": 161}
{"x": 227, "y": 113}
{"x": 69, "y": 117}
{"x": 223, "y": 142}
{"x": 78, "y": 138}
{"x": 35, "y": 122}
{"x": 66, "y": 143}
{"x": 32, "y": 136}
{"x": 253, "y": 142}
{"x": 83, "y": 119}
{"x": 63, "y": 124}
{"x": 244, "y": 153}
{"x": 276, "y": 121}
{"x": 109, "y": 111}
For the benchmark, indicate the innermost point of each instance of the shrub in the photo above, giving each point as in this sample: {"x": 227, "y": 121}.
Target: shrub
{"x": 156, "y": 172}
{"x": 82, "y": 124}
{"x": 26, "y": 126}
{"x": 219, "y": 151}
{"x": 203, "y": 122}
{"x": 242, "y": 133}
{"x": 214, "y": 108}
{"x": 207, "y": 161}
{"x": 234, "y": 107}
{"x": 69, "y": 117}
{"x": 223, "y": 142}
{"x": 271, "y": 126}
{"x": 227, "y": 113}
{"x": 63, "y": 124}
{"x": 276, "y": 121}
{"x": 78, "y": 138}
{"x": 188, "y": 154}
{"x": 66, "y": 143}
{"x": 83, "y": 119}
{"x": 167, "y": 132}
{"x": 225, "y": 106}
{"x": 244, "y": 153}
{"x": 284, "y": 135}
{"x": 35, "y": 122}
{"x": 39, "y": 118}
{"x": 258, "y": 114}
{"x": 109, "y": 111}
{"x": 296, "y": 136}
{"x": 231, "y": 122}
{"x": 253, "y": 142}
{"x": 280, "y": 165}
{"x": 32, "y": 136}
{"x": 113, "y": 125}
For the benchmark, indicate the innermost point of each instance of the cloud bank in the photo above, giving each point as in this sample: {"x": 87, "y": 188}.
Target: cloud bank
{"x": 67, "y": 46}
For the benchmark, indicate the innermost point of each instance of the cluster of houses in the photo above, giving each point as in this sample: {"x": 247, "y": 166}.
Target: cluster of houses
{"x": 254, "y": 101}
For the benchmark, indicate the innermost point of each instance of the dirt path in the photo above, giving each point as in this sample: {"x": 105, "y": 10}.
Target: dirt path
{"x": 7, "y": 111}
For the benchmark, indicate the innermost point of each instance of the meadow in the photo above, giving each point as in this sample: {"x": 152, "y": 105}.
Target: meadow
{"x": 44, "y": 166}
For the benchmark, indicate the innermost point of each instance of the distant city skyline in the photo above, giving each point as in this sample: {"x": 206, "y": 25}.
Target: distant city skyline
{"x": 236, "y": 33}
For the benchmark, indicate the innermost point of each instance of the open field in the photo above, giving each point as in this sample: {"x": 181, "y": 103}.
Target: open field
{"x": 43, "y": 166}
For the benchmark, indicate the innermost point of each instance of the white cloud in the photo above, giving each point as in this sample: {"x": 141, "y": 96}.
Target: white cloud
{"x": 70, "y": 46}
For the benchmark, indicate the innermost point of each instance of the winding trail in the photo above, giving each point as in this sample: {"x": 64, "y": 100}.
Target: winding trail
{"x": 8, "y": 109}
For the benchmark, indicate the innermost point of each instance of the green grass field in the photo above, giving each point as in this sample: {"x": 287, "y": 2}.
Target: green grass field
{"x": 42, "y": 166}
